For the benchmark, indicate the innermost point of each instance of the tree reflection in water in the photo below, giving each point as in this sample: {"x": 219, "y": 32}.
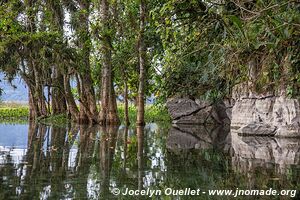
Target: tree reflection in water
{"x": 87, "y": 162}
{"x": 140, "y": 155}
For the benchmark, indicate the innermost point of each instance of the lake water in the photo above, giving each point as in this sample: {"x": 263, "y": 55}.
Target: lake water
{"x": 81, "y": 162}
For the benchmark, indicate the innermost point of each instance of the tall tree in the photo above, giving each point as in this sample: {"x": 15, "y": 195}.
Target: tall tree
{"x": 58, "y": 101}
{"x": 80, "y": 13}
{"x": 142, "y": 68}
{"x": 108, "y": 113}
{"x": 33, "y": 76}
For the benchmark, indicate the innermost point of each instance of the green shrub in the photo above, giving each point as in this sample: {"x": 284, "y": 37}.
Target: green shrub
{"x": 152, "y": 113}
{"x": 15, "y": 113}
{"x": 19, "y": 112}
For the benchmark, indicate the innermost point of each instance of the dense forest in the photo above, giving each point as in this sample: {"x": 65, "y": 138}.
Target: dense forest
{"x": 129, "y": 50}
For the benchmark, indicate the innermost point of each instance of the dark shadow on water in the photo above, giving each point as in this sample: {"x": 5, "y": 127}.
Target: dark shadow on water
{"x": 89, "y": 162}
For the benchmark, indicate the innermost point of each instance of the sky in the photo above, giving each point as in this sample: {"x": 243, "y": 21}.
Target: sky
{"x": 18, "y": 94}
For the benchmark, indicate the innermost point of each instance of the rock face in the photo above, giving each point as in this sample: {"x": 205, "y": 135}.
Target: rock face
{"x": 250, "y": 114}
{"x": 188, "y": 111}
{"x": 276, "y": 116}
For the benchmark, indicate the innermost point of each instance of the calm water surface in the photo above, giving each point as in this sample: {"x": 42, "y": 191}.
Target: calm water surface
{"x": 82, "y": 162}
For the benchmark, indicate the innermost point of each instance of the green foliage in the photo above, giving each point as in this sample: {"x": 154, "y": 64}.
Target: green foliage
{"x": 156, "y": 114}
{"x": 269, "y": 36}
{"x": 56, "y": 120}
{"x": 15, "y": 113}
{"x": 189, "y": 64}
{"x": 12, "y": 113}
{"x": 207, "y": 46}
{"x": 152, "y": 114}
{"x": 194, "y": 48}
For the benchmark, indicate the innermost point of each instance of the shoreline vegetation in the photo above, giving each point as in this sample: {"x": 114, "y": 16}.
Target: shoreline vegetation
{"x": 13, "y": 113}
{"x": 71, "y": 55}
{"x": 19, "y": 113}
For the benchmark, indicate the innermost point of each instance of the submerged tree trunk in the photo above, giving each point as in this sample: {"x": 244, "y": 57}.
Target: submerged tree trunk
{"x": 106, "y": 65}
{"x": 108, "y": 113}
{"x": 88, "y": 108}
{"x": 32, "y": 106}
{"x": 72, "y": 107}
{"x": 58, "y": 101}
{"x": 31, "y": 68}
{"x": 142, "y": 55}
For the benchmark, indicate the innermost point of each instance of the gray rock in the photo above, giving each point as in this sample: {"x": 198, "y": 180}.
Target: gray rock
{"x": 243, "y": 91}
{"x": 188, "y": 111}
{"x": 179, "y": 107}
{"x": 202, "y": 103}
{"x": 243, "y": 112}
{"x": 203, "y": 116}
{"x": 224, "y": 111}
{"x": 260, "y": 116}
{"x": 257, "y": 129}
{"x": 240, "y": 91}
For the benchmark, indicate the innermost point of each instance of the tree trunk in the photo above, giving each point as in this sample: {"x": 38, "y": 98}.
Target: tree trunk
{"x": 72, "y": 107}
{"x": 113, "y": 118}
{"x": 127, "y": 122}
{"x": 39, "y": 91}
{"x": 58, "y": 101}
{"x": 142, "y": 55}
{"x": 32, "y": 106}
{"x": 88, "y": 108}
{"x": 125, "y": 95}
{"x": 108, "y": 113}
{"x": 37, "y": 105}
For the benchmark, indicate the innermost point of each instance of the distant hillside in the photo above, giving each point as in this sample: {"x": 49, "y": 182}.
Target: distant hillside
{"x": 18, "y": 93}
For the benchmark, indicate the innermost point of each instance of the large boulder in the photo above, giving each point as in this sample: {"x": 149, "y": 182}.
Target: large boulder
{"x": 179, "y": 107}
{"x": 202, "y": 116}
{"x": 189, "y": 111}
